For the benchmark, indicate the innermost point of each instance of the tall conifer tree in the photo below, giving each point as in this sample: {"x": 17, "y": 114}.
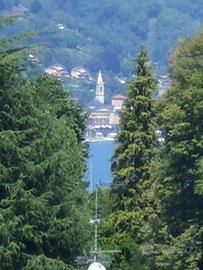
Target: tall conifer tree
{"x": 136, "y": 136}
{"x": 130, "y": 164}
{"x": 42, "y": 213}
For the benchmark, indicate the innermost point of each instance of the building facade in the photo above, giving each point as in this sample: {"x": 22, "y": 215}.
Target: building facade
{"x": 103, "y": 118}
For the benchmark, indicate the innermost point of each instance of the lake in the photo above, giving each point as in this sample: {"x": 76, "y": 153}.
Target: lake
{"x": 99, "y": 163}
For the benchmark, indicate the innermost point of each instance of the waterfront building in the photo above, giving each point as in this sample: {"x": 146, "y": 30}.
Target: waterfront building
{"x": 103, "y": 118}
{"x": 117, "y": 101}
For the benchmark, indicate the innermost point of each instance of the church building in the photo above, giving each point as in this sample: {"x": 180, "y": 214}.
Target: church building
{"x": 103, "y": 118}
{"x": 99, "y": 112}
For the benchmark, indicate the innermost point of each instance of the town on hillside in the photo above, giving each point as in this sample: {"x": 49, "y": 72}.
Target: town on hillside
{"x": 103, "y": 118}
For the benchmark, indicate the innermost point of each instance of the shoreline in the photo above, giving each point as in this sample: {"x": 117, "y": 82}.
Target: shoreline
{"x": 104, "y": 139}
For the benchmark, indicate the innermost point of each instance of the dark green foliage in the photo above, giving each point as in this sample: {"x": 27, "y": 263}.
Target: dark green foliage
{"x": 136, "y": 135}
{"x": 105, "y": 35}
{"x": 42, "y": 198}
{"x": 172, "y": 223}
{"x": 112, "y": 26}
{"x": 130, "y": 166}
{"x": 43, "y": 263}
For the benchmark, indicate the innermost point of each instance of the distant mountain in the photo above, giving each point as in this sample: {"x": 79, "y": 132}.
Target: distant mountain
{"x": 106, "y": 34}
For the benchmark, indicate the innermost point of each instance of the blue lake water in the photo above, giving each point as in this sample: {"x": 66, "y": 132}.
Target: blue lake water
{"x": 99, "y": 163}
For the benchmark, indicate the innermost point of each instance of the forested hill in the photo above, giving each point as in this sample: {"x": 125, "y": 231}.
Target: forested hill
{"x": 103, "y": 34}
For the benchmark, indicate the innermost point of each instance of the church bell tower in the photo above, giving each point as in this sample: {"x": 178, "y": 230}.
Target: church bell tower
{"x": 100, "y": 88}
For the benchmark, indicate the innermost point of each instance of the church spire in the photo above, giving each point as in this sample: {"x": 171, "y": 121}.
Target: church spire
{"x": 100, "y": 88}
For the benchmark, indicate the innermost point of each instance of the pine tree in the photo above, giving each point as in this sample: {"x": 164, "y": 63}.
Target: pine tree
{"x": 42, "y": 197}
{"x": 130, "y": 164}
{"x": 136, "y": 136}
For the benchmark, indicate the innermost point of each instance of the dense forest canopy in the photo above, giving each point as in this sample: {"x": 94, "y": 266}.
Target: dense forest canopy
{"x": 107, "y": 34}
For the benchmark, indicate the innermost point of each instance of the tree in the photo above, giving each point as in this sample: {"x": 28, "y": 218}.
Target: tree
{"x": 130, "y": 164}
{"x": 173, "y": 227}
{"x": 42, "y": 197}
{"x": 136, "y": 136}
